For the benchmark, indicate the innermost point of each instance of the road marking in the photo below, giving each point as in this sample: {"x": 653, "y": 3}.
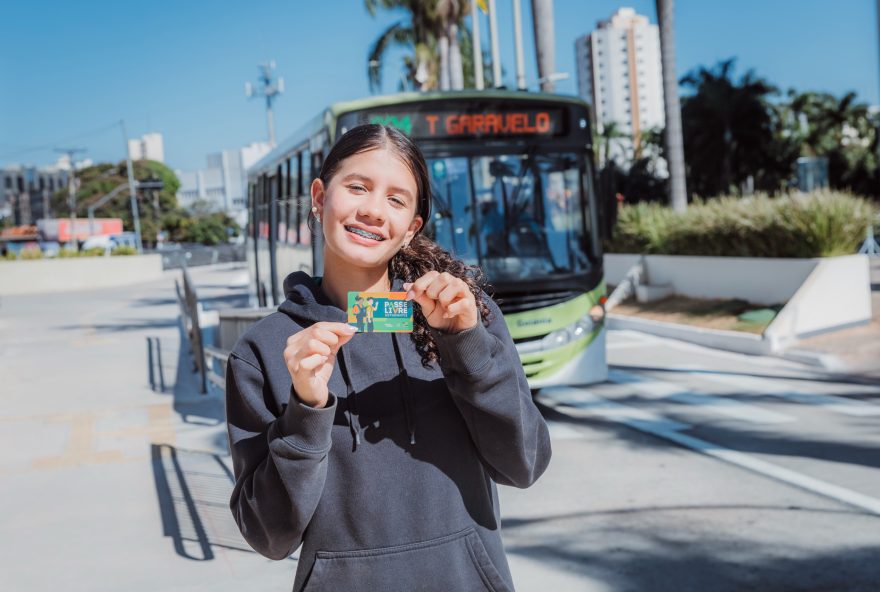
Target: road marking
{"x": 659, "y": 389}
{"x": 776, "y": 388}
{"x": 584, "y": 403}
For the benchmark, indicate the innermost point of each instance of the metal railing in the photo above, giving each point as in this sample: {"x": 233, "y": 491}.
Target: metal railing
{"x": 196, "y": 255}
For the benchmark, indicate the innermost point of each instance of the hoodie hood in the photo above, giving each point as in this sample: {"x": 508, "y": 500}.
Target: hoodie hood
{"x": 306, "y": 303}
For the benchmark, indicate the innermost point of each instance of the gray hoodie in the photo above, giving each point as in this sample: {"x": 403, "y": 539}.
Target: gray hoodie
{"x": 391, "y": 486}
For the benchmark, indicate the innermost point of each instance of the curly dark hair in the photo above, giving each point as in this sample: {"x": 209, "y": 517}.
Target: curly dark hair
{"x": 422, "y": 254}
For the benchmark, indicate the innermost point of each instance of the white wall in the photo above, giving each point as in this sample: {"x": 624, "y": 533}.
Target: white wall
{"x": 69, "y": 275}
{"x": 757, "y": 280}
{"x": 837, "y": 294}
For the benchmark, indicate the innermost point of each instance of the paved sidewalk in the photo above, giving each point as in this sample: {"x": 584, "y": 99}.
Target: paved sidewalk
{"x": 107, "y": 483}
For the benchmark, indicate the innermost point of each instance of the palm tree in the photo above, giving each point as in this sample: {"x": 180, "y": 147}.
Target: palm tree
{"x": 545, "y": 42}
{"x": 839, "y": 129}
{"x": 433, "y": 34}
{"x": 731, "y": 131}
{"x": 674, "y": 137}
{"x": 415, "y": 34}
{"x": 609, "y": 134}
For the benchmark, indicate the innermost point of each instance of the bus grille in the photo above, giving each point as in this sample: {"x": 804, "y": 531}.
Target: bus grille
{"x": 518, "y": 302}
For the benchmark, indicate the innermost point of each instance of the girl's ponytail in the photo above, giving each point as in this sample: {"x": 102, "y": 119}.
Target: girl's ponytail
{"x": 418, "y": 258}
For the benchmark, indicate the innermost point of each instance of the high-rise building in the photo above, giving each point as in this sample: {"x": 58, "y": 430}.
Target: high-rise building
{"x": 619, "y": 72}
{"x": 148, "y": 147}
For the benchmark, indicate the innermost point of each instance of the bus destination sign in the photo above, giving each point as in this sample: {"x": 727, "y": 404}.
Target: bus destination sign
{"x": 487, "y": 124}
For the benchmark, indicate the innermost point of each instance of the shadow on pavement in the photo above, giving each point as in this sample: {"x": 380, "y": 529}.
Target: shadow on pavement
{"x": 681, "y": 561}
{"x": 193, "y": 490}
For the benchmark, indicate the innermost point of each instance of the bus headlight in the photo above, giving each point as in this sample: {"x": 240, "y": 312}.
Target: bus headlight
{"x": 566, "y": 335}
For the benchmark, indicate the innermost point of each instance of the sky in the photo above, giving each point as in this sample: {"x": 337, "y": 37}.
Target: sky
{"x": 70, "y": 71}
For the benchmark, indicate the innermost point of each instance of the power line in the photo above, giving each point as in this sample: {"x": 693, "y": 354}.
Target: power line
{"x": 51, "y": 146}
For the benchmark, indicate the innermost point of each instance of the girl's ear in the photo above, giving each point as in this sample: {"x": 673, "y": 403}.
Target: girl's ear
{"x": 318, "y": 194}
{"x": 414, "y": 228}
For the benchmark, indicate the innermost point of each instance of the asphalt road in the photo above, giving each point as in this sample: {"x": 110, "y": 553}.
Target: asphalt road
{"x": 691, "y": 469}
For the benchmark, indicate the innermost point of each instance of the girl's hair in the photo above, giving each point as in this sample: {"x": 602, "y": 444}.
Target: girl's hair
{"x": 422, "y": 254}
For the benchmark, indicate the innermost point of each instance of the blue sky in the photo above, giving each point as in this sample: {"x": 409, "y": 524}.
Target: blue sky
{"x": 70, "y": 70}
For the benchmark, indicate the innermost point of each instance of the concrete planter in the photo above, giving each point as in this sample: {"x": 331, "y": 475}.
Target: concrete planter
{"x": 86, "y": 273}
{"x": 820, "y": 295}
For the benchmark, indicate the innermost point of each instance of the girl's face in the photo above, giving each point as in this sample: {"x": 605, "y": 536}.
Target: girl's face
{"x": 368, "y": 210}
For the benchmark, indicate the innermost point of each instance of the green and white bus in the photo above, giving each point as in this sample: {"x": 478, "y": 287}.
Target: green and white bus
{"x": 513, "y": 191}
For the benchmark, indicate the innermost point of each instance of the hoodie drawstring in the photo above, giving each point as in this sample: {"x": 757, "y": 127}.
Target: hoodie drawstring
{"x": 354, "y": 424}
{"x": 405, "y": 391}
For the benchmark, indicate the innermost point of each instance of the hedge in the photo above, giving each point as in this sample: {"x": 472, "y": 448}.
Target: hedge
{"x": 819, "y": 224}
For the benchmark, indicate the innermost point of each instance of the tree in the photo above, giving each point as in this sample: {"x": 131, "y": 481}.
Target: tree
{"x": 840, "y": 129}
{"x": 432, "y": 33}
{"x": 673, "y": 135}
{"x": 99, "y": 180}
{"x": 732, "y": 133}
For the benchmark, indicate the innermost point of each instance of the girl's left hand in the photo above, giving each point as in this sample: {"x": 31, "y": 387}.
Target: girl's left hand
{"x": 446, "y": 301}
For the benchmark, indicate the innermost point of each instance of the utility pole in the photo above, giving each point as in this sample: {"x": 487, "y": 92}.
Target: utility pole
{"x": 132, "y": 195}
{"x": 269, "y": 88}
{"x": 71, "y": 193}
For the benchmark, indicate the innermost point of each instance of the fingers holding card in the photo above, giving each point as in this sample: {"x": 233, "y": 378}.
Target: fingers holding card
{"x": 446, "y": 301}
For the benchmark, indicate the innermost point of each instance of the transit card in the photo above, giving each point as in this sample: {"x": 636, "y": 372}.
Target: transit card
{"x": 380, "y": 312}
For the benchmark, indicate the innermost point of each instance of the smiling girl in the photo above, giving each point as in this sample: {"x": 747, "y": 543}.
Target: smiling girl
{"x": 380, "y": 452}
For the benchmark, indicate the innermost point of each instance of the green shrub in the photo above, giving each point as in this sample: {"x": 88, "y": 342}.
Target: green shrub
{"x": 124, "y": 250}
{"x": 66, "y": 253}
{"x": 10, "y": 256}
{"x": 820, "y": 224}
{"x": 31, "y": 254}
{"x": 93, "y": 252}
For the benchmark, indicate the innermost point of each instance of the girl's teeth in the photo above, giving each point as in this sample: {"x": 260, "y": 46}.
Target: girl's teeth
{"x": 364, "y": 233}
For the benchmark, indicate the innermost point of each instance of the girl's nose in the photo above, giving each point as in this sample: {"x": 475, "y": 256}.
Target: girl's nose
{"x": 372, "y": 207}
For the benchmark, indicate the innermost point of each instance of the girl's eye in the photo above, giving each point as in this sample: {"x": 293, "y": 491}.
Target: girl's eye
{"x": 356, "y": 187}
{"x": 398, "y": 201}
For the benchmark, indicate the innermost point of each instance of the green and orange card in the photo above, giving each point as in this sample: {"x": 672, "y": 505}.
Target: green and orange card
{"x": 380, "y": 312}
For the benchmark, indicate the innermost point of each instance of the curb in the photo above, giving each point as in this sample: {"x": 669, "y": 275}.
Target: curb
{"x": 743, "y": 343}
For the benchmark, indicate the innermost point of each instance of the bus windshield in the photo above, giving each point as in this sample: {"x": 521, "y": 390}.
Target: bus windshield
{"x": 518, "y": 216}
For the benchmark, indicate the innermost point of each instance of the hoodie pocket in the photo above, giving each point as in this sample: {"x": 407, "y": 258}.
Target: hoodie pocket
{"x": 456, "y": 562}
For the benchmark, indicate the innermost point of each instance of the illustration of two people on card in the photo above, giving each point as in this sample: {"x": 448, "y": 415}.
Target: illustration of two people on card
{"x": 363, "y": 310}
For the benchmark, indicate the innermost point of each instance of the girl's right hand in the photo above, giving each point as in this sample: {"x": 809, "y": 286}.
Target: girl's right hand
{"x": 310, "y": 355}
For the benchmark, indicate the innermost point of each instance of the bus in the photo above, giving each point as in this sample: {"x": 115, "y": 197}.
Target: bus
{"x": 514, "y": 192}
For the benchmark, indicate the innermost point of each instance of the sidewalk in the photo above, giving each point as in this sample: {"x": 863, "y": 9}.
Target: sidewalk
{"x": 108, "y": 484}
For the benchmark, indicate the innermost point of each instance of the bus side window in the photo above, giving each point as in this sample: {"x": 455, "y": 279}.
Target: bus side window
{"x": 305, "y": 197}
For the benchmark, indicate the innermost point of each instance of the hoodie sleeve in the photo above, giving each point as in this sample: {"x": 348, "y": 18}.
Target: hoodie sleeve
{"x": 280, "y": 462}
{"x": 485, "y": 376}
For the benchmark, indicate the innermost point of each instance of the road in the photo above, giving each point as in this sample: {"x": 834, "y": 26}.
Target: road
{"x": 691, "y": 469}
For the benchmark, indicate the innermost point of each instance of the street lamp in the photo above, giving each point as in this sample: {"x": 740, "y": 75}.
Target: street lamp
{"x": 553, "y": 77}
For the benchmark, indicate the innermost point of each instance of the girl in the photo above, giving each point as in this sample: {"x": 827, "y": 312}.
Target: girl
{"x": 380, "y": 452}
